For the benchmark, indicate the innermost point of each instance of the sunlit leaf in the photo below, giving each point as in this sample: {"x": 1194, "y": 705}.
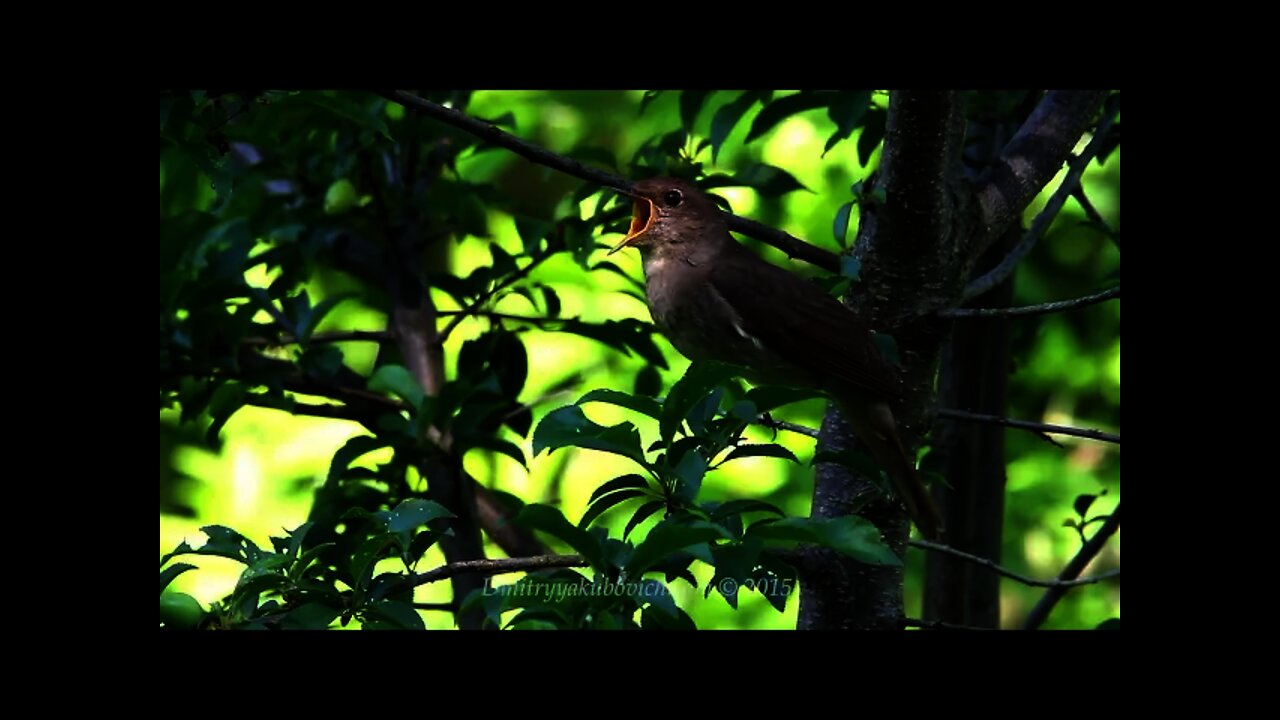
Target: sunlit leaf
{"x": 851, "y": 535}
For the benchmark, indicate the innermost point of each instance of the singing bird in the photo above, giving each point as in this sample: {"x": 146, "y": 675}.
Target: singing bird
{"x": 715, "y": 300}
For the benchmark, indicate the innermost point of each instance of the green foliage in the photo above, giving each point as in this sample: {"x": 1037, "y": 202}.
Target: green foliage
{"x": 291, "y": 217}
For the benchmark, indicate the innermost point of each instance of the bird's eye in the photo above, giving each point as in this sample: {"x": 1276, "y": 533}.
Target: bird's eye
{"x": 672, "y": 198}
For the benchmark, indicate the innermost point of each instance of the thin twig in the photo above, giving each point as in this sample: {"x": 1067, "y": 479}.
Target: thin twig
{"x": 1061, "y": 582}
{"x": 784, "y": 425}
{"x": 497, "y": 567}
{"x": 475, "y": 304}
{"x": 792, "y": 246}
{"x": 1075, "y": 171}
{"x": 938, "y": 625}
{"x": 329, "y": 337}
{"x": 338, "y": 412}
{"x": 1041, "y": 309}
{"x": 1089, "y": 433}
{"x": 1041, "y": 611}
{"x": 1090, "y": 211}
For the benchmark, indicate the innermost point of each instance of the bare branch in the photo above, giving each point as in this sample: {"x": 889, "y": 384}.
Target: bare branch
{"x": 497, "y": 567}
{"x": 1089, "y": 433}
{"x": 330, "y": 337}
{"x": 937, "y": 625}
{"x": 1061, "y": 582}
{"x": 475, "y": 304}
{"x": 1091, "y": 548}
{"x": 1042, "y": 309}
{"x": 336, "y": 412}
{"x": 1042, "y": 222}
{"x": 1033, "y": 157}
{"x": 792, "y": 246}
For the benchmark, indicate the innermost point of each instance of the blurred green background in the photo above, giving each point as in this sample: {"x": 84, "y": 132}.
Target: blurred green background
{"x": 261, "y": 478}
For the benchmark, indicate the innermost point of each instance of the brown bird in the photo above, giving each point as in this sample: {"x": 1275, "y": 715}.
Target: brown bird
{"x": 715, "y": 300}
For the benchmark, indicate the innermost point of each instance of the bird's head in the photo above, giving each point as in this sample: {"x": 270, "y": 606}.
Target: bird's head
{"x": 669, "y": 213}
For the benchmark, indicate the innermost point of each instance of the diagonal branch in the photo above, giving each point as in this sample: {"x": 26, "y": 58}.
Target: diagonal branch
{"x": 472, "y": 307}
{"x": 1042, "y": 309}
{"x": 1089, "y": 433}
{"x": 497, "y": 567}
{"x": 1042, "y": 222}
{"x": 1033, "y": 157}
{"x": 1041, "y": 611}
{"x": 1059, "y": 583}
{"x": 785, "y": 242}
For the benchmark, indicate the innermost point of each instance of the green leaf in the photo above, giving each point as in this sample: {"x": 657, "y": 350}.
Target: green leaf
{"x": 734, "y": 563}
{"x": 180, "y": 611}
{"x": 226, "y": 400}
{"x": 551, "y": 300}
{"x": 352, "y": 449}
{"x": 1082, "y": 504}
{"x": 690, "y": 470}
{"x": 754, "y": 450}
{"x": 626, "y": 482}
{"x": 532, "y": 231}
{"x": 841, "y": 225}
{"x": 655, "y": 618}
{"x": 697, "y": 383}
{"x": 872, "y": 133}
{"x": 414, "y": 513}
{"x": 168, "y": 574}
{"x": 398, "y": 381}
{"x": 310, "y": 616}
{"x": 783, "y": 108}
{"x": 668, "y": 538}
{"x": 550, "y": 520}
{"x": 888, "y": 347}
{"x": 723, "y": 122}
{"x": 739, "y": 507}
{"x": 308, "y": 324}
{"x": 393, "y": 614}
{"x": 772, "y": 397}
{"x": 691, "y": 101}
{"x": 498, "y": 445}
{"x": 768, "y": 180}
{"x": 645, "y": 405}
{"x": 851, "y": 535}
{"x": 598, "y": 507}
{"x": 649, "y": 96}
{"x": 364, "y": 117}
{"x": 568, "y": 426}
{"x": 223, "y": 542}
{"x": 846, "y": 111}
{"x": 850, "y": 267}
{"x": 641, "y": 514}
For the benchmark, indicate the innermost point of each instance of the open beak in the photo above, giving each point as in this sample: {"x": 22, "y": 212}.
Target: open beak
{"x": 641, "y": 217}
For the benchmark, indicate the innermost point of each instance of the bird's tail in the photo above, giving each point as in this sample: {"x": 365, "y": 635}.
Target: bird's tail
{"x": 911, "y": 490}
{"x": 875, "y": 426}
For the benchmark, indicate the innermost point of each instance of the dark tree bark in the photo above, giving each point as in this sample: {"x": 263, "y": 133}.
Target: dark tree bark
{"x": 974, "y": 375}
{"x": 917, "y": 253}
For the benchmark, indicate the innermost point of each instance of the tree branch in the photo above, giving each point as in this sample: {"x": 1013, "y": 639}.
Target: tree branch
{"x": 1041, "y": 611}
{"x": 497, "y": 567}
{"x": 1089, "y": 433}
{"x": 792, "y": 246}
{"x": 329, "y": 337}
{"x": 1061, "y": 582}
{"x": 937, "y": 625}
{"x": 1041, "y": 309}
{"x": 1051, "y": 209}
{"x": 475, "y": 304}
{"x": 1033, "y": 157}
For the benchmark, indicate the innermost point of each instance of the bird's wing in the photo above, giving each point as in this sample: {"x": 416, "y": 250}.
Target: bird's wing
{"x": 802, "y": 325}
